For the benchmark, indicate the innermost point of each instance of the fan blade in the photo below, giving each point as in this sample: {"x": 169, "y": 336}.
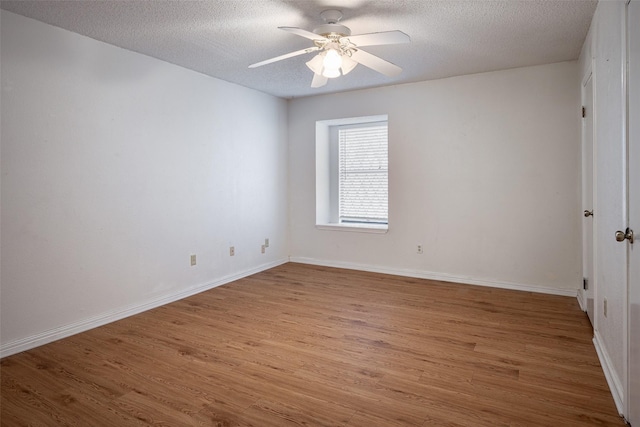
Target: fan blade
{"x": 385, "y": 37}
{"x": 303, "y": 33}
{"x": 285, "y": 56}
{"x": 318, "y": 80}
{"x": 375, "y": 63}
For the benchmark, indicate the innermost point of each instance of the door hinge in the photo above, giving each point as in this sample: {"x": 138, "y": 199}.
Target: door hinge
{"x": 585, "y": 284}
{"x": 584, "y": 112}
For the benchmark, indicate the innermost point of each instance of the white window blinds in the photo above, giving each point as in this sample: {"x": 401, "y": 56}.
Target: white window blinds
{"x": 363, "y": 173}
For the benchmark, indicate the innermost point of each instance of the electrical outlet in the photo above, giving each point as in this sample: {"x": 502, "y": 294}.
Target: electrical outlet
{"x": 605, "y": 307}
{"x": 232, "y": 251}
{"x": 193, "y": 260}
{"x": 262, "y": 248}
{"x": 266, "y": 242}
{"x": 419, "y": 249}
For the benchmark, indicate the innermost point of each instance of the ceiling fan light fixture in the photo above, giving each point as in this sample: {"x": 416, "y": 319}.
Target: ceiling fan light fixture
{"x": 348, "y": 64}
{"x": 315, "y": 64}
{"x": 331, "y": 72}
{"x": 331, "y": 63}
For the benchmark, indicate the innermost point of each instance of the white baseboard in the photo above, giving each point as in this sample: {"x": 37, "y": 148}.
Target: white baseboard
{"x": 51, "y": 335}
{"x": 615, "y": 385}
{"x": 582, "y": 300}
{"x": 436, "y": 276}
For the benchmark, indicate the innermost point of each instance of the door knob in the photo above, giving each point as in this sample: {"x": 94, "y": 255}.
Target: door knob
{"x": 627, "y": 234}
{"x": 587, "y": 214}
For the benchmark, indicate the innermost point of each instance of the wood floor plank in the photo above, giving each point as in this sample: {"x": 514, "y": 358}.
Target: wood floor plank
{"x": 317, "y": 346}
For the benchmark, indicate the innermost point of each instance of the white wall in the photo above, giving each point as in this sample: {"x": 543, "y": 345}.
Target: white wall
{"x": 484, "y": 173}
{"x": 603, "y": 53}
{"x": 116, "y": 167}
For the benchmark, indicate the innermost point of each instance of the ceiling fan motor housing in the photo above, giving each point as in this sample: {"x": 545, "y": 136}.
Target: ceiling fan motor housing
{"x": 328, "y": 30}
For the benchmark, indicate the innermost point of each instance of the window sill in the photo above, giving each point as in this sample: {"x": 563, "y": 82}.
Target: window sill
{"x": 358, "y": 228}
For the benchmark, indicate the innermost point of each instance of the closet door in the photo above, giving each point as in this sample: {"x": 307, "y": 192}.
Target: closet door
{"x": 587, "y": 197}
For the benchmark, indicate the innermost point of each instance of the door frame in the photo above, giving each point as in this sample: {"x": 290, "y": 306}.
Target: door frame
{"x": 630, "y": 138}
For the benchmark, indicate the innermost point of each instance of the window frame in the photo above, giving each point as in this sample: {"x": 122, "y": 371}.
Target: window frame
{"x": 327, "y": 175}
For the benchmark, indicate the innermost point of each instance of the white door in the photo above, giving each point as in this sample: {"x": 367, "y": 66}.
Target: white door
{"x": 633, "y": 82}
{"x": 587, "y": 195}
{"x": 610, "y": 209}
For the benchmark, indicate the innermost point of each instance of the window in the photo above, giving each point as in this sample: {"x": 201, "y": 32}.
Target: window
{"x": 352, "y": 174}
{"x": 363, "y": 173}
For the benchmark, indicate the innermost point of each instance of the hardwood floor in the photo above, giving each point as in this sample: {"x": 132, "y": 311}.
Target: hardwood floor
{"x": 314, "y": 346}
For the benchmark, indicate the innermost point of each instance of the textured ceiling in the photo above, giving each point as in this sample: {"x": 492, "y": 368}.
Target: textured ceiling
{"x": 221, "y": 38}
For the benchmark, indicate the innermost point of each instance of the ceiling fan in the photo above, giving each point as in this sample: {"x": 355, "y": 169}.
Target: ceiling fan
{"x": 339, "y": 51}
